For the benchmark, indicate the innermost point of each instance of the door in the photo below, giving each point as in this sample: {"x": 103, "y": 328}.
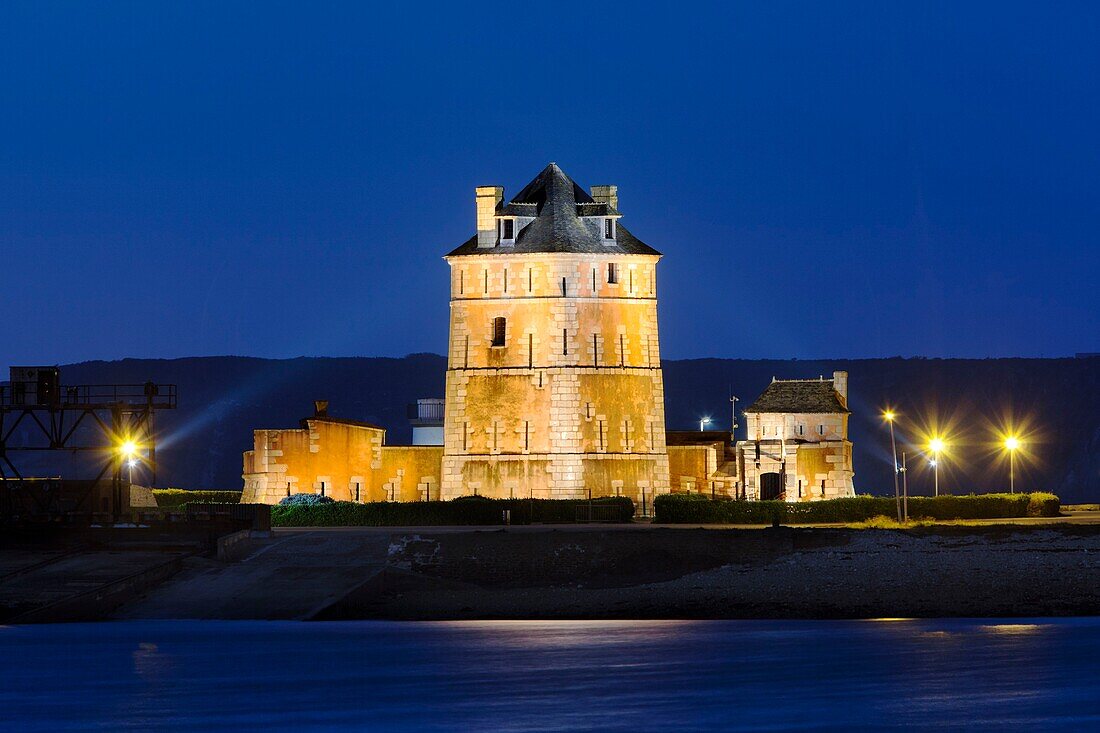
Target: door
{"x": 771, "y": 486}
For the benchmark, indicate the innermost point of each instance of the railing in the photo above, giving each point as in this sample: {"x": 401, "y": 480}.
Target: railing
{"x": 426, "y": 411}
{"x": 257, "y": 516}
{"x": 161, "y": 396}
{"x": 608, "y": 513}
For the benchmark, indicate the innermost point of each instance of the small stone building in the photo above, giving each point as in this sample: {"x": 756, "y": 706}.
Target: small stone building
{"x": 703, "y": 462}
{"x": 347, "y": 460}
{"x": 797, "y": 445}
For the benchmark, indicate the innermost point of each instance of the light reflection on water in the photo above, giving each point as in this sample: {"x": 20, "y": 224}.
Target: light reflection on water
{"x": 537, "y": 675}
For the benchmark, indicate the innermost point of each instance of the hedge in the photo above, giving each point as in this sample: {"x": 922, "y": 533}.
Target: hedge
{"x": 696, "y": 508}
{"x": 463, "y": 511}
{"x": 178, "y": 497}
{"x": 306, "y": 500}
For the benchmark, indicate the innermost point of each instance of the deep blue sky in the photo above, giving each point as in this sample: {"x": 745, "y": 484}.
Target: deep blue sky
{"x": 276, "y": 180}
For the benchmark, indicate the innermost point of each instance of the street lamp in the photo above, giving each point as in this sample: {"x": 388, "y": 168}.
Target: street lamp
{"x": 1011, "y": 444}
{"x": 703, "y": 421}
{"x": 889, "y": 417}
{"x": 936, "y": 445}
{"x": 128, "y": 451}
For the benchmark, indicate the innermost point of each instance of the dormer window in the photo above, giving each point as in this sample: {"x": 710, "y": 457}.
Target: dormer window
{"x": 507, "y": 230}
{"x": 608, "y": 228}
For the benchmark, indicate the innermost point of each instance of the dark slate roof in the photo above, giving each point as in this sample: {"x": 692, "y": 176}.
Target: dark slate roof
{"x": 514, "y": 209}
{"x": 800, "y": 395}
{"x": 558, "y": 205}
{"x": 597, "y": 209}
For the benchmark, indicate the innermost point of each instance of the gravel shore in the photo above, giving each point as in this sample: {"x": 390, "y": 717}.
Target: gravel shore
{"x": 772, "y": 573}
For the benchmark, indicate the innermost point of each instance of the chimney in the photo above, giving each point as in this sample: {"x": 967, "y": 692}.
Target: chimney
{"x": 488, "y": 199}
{"x": 606, "y": 195}
{"x": 840, "y": 384}
{"x": 320, "y": 408}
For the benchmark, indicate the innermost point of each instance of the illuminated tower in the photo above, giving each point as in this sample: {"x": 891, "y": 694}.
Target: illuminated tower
{"x": 554, "y": 384}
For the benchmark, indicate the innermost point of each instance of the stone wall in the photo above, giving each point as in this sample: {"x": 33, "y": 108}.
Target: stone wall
{"x": 808, "y": 471}
{"x": 801, "y": 426}
{"x": 345, "y": 461}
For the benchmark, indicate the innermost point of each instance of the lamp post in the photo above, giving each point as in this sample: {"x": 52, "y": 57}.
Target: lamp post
{"x": 905, "y": 488}
{"x": 733, "y": 423}
{"x": 889, "y": 417}
{"x": 1011, "y": 444}
{"x": 936, "y": 445}
{"x": 703, "y": 421}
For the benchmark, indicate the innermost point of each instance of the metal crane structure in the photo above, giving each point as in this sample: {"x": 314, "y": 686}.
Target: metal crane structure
{"x": 107, "y": 421}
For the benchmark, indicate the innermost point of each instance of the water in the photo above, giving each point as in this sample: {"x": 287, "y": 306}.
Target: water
{"x": 546, "y": 676}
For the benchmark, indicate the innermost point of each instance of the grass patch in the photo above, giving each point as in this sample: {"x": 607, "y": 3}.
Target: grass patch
{"x": 696, "y": 508}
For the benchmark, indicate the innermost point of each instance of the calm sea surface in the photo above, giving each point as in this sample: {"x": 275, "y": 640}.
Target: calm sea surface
{"x": 209, "y": 676}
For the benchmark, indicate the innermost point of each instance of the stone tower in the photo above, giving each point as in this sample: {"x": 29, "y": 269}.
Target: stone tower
{"x": 554, "y": 384}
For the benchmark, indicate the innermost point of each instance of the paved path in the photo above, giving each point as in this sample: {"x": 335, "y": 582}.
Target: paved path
{"x": 51, "y": 577}
{"x": 289, "y": 576}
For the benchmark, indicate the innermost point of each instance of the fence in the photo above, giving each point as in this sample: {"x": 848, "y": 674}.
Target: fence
{"x": 255, "y": 516}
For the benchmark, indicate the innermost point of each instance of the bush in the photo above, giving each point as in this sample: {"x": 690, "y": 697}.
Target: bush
{"x": 1043, "y": 505}
{"x": 694, "y": 508}
{"x": 463, "y": 511}
{"x": 167, "y": 498}
{"x": 306, "y": 500}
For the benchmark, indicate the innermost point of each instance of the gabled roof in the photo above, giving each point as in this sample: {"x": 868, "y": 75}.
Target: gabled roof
{"x": 799, "y": 395}
{"x": 559, "y": 207}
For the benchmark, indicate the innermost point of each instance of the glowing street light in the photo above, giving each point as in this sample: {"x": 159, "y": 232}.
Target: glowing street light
{"x": 1011, "y": 444}
{"x": 128, "y": 450}
{"x": 936, "y": 445}
{"x": 889, "y": 417}
{"x": 704, "y": 421}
